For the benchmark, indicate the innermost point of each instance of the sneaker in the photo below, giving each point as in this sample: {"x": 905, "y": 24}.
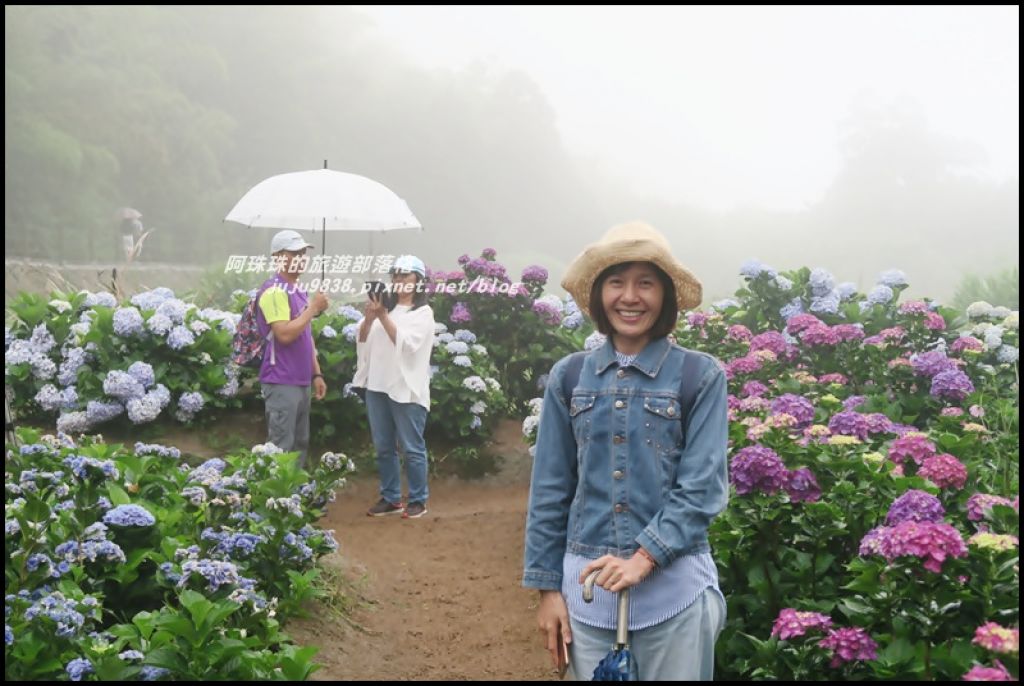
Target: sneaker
{"x": 384, "y": 508}
{"x": 415, "y": 510}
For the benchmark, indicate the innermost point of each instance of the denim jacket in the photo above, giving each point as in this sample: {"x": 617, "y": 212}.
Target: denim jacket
{"x": 611, "y": 472}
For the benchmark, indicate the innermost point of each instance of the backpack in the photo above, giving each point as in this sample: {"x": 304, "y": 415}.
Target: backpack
{"x": 687, "y": 385}
{"x": 247, "y": 345}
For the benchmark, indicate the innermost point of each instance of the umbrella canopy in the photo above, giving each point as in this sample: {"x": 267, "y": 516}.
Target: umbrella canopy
{"x": 323, "y": 199}
{"x": 127, "y": 213}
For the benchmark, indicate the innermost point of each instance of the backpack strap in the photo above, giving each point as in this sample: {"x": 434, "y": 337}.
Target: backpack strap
{"x": 572, "y": 375}
{"x": 688, "y": 388}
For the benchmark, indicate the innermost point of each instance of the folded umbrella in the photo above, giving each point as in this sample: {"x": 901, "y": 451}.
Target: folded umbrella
{"x": 616, "y": 664}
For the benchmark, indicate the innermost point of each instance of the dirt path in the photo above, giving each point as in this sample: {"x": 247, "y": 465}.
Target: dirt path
{"x": 444, "y": 595}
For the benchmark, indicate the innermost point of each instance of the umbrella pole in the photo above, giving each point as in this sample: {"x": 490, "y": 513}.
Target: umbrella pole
{"x": 323, "y": 250}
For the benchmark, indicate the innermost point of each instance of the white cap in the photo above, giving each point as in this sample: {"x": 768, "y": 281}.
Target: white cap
{"x": 409, "y": 264}
{"x": 288, "y": 240}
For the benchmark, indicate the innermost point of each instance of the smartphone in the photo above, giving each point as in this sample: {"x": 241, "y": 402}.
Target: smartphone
{"x": 375, "y": 289}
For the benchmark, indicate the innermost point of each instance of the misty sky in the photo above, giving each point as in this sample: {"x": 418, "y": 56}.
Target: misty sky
{"x": 736, "y": 107}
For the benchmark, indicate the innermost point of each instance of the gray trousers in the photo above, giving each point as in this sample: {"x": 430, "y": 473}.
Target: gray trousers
{"x": 287, "y": 410}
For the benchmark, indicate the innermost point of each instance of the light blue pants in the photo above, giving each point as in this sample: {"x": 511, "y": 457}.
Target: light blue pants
{"x": 398, "y": 425}
{"x": 679, "y": 649}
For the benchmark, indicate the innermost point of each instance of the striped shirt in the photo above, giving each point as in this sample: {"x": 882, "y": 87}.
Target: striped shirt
{"x": 658, "y": 598}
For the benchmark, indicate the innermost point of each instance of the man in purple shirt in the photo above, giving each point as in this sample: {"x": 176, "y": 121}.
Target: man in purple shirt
{"x": 290, "y": 365}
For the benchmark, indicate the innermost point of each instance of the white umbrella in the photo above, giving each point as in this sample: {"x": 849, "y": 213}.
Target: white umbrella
{"x": 323, "y": 199}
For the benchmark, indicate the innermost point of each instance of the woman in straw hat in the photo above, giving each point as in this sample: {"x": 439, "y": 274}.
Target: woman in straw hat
{"x": 630, "y": 469}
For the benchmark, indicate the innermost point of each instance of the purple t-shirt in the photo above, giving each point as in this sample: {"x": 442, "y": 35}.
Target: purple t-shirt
{"x": 292, "y": 363}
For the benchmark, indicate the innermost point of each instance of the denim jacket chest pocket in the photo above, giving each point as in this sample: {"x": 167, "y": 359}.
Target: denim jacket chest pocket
{"x": 663, "y": 435}
{"x": 581, "y": 415}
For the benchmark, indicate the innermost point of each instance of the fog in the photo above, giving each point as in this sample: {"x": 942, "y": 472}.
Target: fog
{"x": 856, "y": 139}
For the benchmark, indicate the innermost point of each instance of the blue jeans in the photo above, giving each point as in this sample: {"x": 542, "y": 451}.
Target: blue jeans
{"x": 398, "y": 425}
{"x": 679, "y": 649}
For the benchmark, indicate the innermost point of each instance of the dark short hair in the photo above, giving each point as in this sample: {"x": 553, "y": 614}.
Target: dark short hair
{"x": 666, "y": 321}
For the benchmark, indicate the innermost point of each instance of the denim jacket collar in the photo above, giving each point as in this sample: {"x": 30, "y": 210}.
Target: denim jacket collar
{"x": 648, "y": 361}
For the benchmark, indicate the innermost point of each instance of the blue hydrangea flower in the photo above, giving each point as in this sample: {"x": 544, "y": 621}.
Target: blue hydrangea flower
{"x": 754, "y": 268}
{"x": 462, "y": 361}
{"x": 350, "y": 332}
{"x": 173, "y": 309}
{"x": 98, "y": 411}
{"x": 457, "y": 348}
{"x": 465, "y": 335}
{"x": 129, "y": 515}
{"x": 143, "y": 373}
{"x": 42, "y": 340}
{"x": 792, "y": 309}
{"x": 73, "y": 422}
{"x": 1008, "y": 354}
{"x": 893, "y": 278}
{"x": 150, "y": 300}
{"x": 74, "y": 358}
{"x": 191, "y": 402}
{"x": 475, "y": 384}
{"x": 102, "y": 299}
{"x": 822, "y": 282}
{"x": 328, "y": 332}
{"x": 49, "y": 398}
{"x": 846, "y": 290}
{"x": 180, "y": 337}
{"x": 783, "y": 283}
{"x": 122, "y": 385}
{"x": 127, "y": 322}
{"x": 349, "y": 312}
{"x": 880, "y": 295}
{"x": 826, "y": 304}
{"x": 78, "y": 668}
{"x": 144, "y": 410}
{"x": 573, "y": 321}
{"x": 160, "y": 324}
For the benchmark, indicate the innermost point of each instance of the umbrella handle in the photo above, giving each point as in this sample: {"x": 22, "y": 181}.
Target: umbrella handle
{"x": 622, "y": 627}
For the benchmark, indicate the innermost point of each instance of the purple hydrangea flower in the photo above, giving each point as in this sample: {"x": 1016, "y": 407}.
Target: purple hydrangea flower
{"x": 461, "y": 314}
{"x": 535, "y": 274}
{"x": 849, "y": 644}
{"x": 945, "y": 471}
{"x": 849, "y": 424}
{"x": 799, "y": 407}
{"x": 790, "y": 623}
{"x": 951, "y": 384}
{"x": 757, "y": 468}
{"x": 915, "y": 506}
{"x": 802, "y": 486}
{"x": 769, "y": 340}
{"x": 931, "y": 363}
{"x": 980, "y": 505}
{"x": 917, "y": 448}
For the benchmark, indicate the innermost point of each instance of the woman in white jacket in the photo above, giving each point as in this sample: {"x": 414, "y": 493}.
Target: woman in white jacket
{"x": 393, "y": 350}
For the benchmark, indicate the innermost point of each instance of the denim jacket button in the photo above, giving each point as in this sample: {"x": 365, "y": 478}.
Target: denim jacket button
{"x": 620, "y": 508}
{"x": 671, "y": 412}
{"x": 618, "y": 474}
{"x": 621, "y": 373}
{"x": 619, "y": 404}
{"x": 617, "y": 440}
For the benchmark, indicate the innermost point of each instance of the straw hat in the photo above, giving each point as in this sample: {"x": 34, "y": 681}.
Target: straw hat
{"x": 631, "y": 242}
